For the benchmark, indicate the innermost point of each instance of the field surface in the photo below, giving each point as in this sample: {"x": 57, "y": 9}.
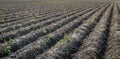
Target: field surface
{"x": 59, "y": 29}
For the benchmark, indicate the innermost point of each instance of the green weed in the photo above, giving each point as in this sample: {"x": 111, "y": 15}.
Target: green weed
{"x": 7, "y": 50}
{"x": 2, "y": 20}
{"x": 65, "y": 39}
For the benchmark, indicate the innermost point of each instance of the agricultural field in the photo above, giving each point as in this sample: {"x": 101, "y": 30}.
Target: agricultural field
{"x": 59, "y": 29}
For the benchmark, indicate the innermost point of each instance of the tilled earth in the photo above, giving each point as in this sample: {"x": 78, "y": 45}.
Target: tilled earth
{"x": 88, "y": 32}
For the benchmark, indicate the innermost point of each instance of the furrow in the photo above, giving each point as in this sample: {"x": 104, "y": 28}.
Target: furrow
{"x": 93, "y": 46}
{"x": 11, "y": 28}
{"x": 113, "y": 46}
{"x": 46, "y": 42}
{"x": 36, "y": 20}
{"x": 32, "y": 36}
{"x": 65, "y": 47}
{"x": 22, "y": 31}
{"x": 22, "y": 16}
{"x": 27, "y": 18}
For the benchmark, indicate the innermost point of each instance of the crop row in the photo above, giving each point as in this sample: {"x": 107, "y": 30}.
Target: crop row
{"x": 48, "y": 41}
{"x": 113, "y": 44}
{"x": 39, "y": 25}
{"x": 67, "y": 46}
{"x": 48, "y": 16}
{"x": 23, "y": 40}
{"x": 17, "y": 26}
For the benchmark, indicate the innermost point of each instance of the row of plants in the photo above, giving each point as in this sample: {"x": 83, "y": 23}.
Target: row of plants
{"x": 33, "y": 35}
{"x": 112, "y": 50}
{"x": 69, "y": 45}
{"x": 39, "y": 25}
{"x": 93, "y": 46}
{"x": 45, "y": 42}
